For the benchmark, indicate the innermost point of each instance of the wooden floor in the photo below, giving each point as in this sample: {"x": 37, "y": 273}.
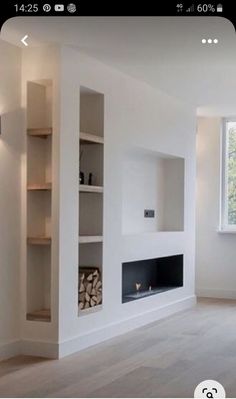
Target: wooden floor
{"x": 165, "y": 359}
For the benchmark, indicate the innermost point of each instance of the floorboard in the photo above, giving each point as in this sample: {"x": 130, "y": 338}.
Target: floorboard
{"x": 164, "y": 359}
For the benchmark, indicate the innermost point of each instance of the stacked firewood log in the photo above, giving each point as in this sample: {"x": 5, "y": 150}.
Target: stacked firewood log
{"x": 90, "y": 287}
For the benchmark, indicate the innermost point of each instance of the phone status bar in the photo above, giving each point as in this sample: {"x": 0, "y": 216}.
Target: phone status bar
{"x": 47, "y": 8}
{"x": 201, "y": 8}
{"x": 81, "y": 8}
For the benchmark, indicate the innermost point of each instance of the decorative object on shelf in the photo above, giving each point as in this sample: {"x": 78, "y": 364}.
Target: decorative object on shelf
{"x": 81, "y": 174}
{"x": 90, "y": 287}
{"x": 81, "y": 178}
{"x": 90, "y": 179}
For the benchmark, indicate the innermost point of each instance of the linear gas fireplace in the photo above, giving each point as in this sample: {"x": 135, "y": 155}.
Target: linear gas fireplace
{"x": 151, "y": 276}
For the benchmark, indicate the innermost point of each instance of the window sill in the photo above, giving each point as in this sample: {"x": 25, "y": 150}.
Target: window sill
{"x": 225, "y": 231}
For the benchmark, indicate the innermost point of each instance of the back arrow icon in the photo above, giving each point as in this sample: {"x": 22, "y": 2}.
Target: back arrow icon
{"x": 23, "y": 40}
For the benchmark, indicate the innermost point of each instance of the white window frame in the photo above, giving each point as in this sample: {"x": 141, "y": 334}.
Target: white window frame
{"x": 224, "y": 225}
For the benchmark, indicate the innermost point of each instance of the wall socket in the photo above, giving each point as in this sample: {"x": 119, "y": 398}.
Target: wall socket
{"x": 149, "y": 213}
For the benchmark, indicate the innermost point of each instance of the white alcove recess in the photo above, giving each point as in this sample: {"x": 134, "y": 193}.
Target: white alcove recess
{"x": 155, "y": 181}
{"x": 39, "y": 185}
{"x": 91, "y": 151}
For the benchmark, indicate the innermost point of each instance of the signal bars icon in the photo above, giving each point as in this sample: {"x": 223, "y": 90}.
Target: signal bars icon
{"x": 190, "y": 9}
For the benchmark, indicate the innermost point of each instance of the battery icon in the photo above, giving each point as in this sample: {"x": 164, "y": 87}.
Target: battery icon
{"x": 219, "y": 8}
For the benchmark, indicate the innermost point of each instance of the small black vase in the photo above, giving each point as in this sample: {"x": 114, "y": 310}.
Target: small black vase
{"x": 90, "y": 179}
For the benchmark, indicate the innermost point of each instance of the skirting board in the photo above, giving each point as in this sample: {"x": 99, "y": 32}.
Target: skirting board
{"x": 216, "y": 293}
{"x": 10, "y": 349}
{"x": 54, "y": 351}
{"x": 39, "y": 348}
{"x": 30, "y": 348}
{"x": 110, "y": 331}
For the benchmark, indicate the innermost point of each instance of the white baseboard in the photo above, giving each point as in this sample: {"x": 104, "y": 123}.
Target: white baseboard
{"x": 30, "y": 348}
{"x": 39, "y": 348}
{"x": 9, "y": 349}
{"x": 216, "y": 293}
{"x": 112, "y": 330}
{"x": 54, "y": 351}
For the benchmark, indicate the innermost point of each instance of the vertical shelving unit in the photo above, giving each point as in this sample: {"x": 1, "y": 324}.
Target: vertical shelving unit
{"x": 39, "y": 187}
{"x": 91, "y": 200}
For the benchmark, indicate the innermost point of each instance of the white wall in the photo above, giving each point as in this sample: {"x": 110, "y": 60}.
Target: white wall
{"x": 215, "y": 252}
{"x": 10, "y": 186}
{"x": 135, "y": 115}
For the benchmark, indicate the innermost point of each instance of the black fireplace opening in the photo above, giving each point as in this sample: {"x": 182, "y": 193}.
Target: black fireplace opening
{"x": 148, "y": 277}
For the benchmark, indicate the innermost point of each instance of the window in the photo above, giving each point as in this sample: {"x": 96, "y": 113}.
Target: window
{"x": 228, "y": 211}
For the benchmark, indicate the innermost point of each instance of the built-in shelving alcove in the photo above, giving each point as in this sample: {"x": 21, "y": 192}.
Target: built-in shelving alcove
{"x": 39, "y": 187}
{"x": 91, "y": 188}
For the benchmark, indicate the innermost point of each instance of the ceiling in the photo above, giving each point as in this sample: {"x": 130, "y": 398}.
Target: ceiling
{"x": 165, "y": 52}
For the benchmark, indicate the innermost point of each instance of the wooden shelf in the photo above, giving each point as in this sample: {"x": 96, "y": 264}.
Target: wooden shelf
{"x": 90, "y": 239}
{"x": 40, "y": 132}
{"x": 92, "y": 310}
{"x": 39, "y": 187}
{"x": 39, "y": 315}
{"x": 84, "y": 188}
{"x": 88, "y": 138}
{"x": 39, "y": 240}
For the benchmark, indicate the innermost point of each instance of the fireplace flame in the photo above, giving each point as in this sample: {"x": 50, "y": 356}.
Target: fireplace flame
{"x": 138, "y": 286}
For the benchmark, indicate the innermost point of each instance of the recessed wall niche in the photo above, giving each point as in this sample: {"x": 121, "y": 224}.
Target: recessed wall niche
{"x": 91, "y": 188}
{"x": 148, "y": 277}
{"x": 39, "y": 199}
{"x": 152, "y": 180}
